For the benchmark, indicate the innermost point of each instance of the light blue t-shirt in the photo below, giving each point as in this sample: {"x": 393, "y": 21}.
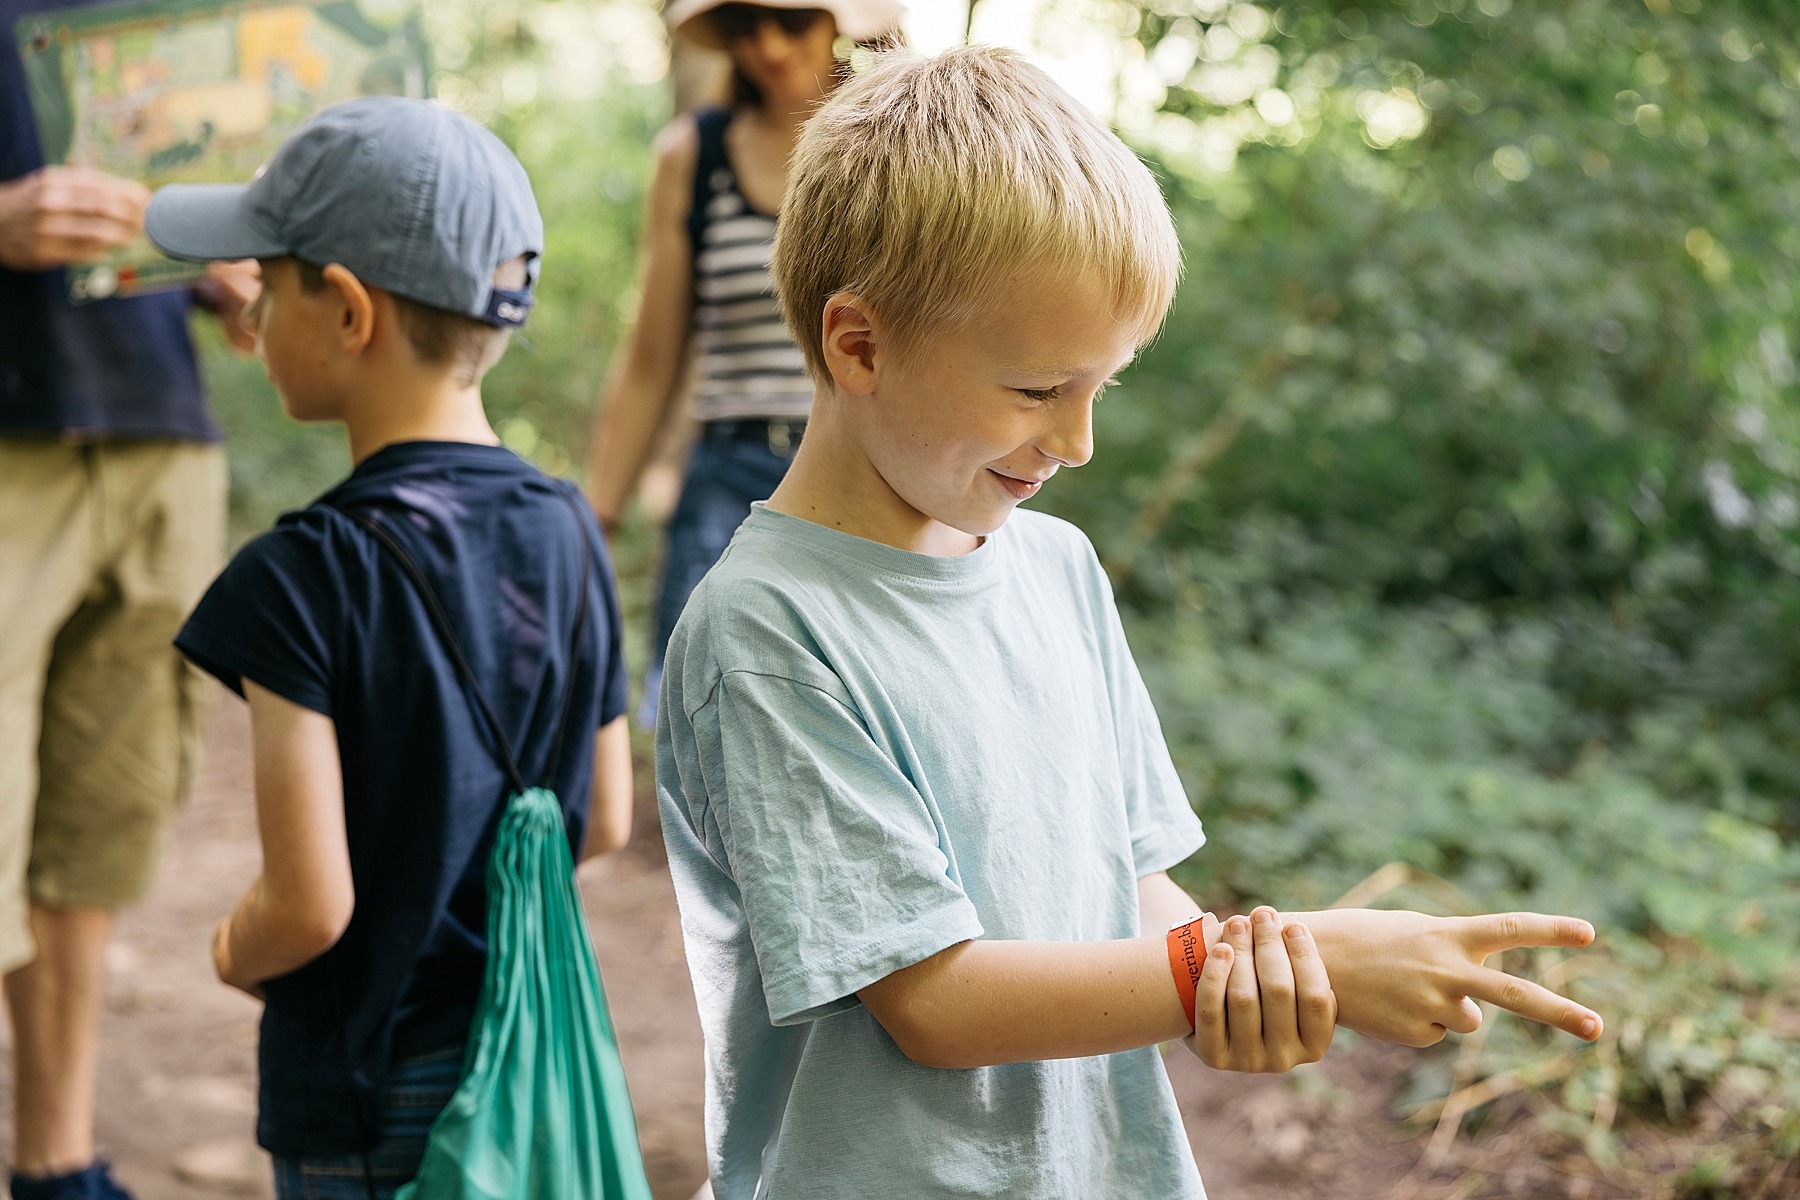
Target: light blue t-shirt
{"x": 865, "y": 756}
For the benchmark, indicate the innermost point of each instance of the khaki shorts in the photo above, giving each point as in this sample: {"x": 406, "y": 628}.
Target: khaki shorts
{"x": 104, "y": 549}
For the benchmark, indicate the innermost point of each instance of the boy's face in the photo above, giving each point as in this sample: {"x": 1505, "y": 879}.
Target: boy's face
{"x": 295, "y": 338}
{"x": 973, "y": 421}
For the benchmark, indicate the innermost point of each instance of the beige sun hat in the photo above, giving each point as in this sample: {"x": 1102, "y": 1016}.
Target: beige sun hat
{"x": 858, "y": 20}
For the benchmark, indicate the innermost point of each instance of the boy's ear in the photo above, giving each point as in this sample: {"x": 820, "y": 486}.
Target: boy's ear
{"x": 356, "y": 309}
{"x": 850, "y": 337}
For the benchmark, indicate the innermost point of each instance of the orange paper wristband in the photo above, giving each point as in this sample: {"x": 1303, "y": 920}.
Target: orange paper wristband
{"x": 1187, "y": 955}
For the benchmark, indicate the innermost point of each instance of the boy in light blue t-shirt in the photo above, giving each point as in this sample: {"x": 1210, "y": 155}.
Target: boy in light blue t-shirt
{"x": 918, "y": 807}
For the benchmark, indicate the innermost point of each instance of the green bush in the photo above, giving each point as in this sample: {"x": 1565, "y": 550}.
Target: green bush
{"x": 1325, "y": 737}
{"x": 1456, "y": 507}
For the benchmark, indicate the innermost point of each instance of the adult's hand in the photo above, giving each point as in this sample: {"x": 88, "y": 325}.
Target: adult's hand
{"x": 60, "y": 215}
{"x": 228, "y": 289}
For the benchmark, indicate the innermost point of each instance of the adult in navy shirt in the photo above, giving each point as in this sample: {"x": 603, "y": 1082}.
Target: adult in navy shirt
{"x": 111, "y": 522}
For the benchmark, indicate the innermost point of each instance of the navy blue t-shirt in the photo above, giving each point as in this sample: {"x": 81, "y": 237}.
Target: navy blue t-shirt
{"x": 114, "y": 369}
{"x": 318, "y": 612}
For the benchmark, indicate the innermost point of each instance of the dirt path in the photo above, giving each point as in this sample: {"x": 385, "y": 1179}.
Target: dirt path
{"x": 177, "y": 1091}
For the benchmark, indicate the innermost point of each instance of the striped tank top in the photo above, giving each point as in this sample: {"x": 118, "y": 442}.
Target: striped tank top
{"x": 746, "y": 362}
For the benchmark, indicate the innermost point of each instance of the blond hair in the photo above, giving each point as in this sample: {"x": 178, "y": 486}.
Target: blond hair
{"x": 928, "y": 185}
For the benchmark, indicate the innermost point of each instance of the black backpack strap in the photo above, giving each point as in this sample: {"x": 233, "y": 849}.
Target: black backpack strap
{"x": 712, "y": 170}
{"x": 440, "y": 619}
{"x": 583, "y": 519}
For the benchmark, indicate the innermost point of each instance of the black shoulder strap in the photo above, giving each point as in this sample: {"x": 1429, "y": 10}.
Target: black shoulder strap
{"x": 435, "y": 609}
{"x": 708, "y": 163}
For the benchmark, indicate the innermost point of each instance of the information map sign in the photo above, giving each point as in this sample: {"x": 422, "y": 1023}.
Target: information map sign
{"x": 201, "y": 91}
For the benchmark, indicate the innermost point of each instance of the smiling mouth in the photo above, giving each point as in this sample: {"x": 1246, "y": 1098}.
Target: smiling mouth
{"x": 1021, "y": 489}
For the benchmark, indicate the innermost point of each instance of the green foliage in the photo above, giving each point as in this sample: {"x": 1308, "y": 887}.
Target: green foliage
{"x": 1539, "y": 348}
{"x": 1327, "y": 737}
{"x": 583, "y": 130}
{"x": 1496, "y": 575}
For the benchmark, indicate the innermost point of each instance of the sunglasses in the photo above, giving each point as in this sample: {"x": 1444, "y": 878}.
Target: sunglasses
{"x": 735, "y": 22}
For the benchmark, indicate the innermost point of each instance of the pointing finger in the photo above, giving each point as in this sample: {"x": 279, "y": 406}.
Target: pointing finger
{"x": 1534, "y": 1002}
{"x": 1510, "y": 931}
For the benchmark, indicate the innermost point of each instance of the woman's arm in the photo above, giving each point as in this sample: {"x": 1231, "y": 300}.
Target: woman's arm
{"x": 643, "y": 382}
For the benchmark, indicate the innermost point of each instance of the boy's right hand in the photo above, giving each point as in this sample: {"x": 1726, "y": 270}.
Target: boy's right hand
{"x": 1264, "y": 1002}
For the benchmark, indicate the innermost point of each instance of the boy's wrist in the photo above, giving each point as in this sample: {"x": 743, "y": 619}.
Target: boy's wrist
{"x": 1187, "y": 956}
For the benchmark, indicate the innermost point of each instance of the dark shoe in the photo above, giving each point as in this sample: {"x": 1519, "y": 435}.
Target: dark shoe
{"x": 93, "y": 1183}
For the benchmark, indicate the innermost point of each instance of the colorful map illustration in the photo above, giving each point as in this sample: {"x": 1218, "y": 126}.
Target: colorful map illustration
{"x": 201, "y": 91}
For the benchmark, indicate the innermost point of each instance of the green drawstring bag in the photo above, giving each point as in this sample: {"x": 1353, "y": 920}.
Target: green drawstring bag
{"x": 542, "y": 1112}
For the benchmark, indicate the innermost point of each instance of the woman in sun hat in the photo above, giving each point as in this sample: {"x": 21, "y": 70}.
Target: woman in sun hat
{"x": 707, "y": 297}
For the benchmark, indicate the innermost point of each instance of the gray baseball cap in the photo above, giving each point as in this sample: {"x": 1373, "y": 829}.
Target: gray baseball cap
{"x": 412, "y": 197}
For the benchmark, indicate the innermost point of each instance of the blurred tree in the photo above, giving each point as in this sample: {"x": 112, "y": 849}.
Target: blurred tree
{"x": 1458, "y": 505}
{"x": 1488, "y": 302}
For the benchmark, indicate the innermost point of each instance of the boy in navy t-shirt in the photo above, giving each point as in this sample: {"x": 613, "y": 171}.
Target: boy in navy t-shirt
{"x": 398, "y": 241}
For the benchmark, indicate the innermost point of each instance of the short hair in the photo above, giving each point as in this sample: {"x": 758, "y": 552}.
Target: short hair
{"x": 439, "y": 337}
{"x": 924, "y": 185}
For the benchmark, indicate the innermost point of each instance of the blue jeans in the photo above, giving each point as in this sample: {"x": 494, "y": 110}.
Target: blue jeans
{"x": 734, "y": 464}
{"x": 417, "y": 1091}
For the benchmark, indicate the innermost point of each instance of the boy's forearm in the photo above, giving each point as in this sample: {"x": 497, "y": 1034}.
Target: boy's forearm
{"x": 1162, "y": 903}
{"x": 265, "y": 941}
{"x": 982, "y": 1003}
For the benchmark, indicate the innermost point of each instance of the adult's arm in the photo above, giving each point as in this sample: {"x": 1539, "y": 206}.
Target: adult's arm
{"x": 643, "y": 382}
{"x": 609, "y": 808}
{"x": 60, "y": 215}
{"x": 301, "y": 903}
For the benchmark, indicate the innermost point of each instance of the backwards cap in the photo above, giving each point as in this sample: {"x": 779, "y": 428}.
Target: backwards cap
{"x": 412, "y": 197}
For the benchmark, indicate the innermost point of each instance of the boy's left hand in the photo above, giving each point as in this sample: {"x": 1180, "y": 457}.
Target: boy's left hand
{"x": 221, "y": 956}
{"x": 1409, "y": 978}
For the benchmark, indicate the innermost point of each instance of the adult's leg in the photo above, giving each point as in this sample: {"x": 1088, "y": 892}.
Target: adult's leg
{"x": 119, "y": 733}
{"x": 55, "y": 1001}
{"x": 46, "y": 555}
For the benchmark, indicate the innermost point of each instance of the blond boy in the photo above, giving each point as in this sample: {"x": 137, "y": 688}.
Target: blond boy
{"x": 918, "y": 807}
